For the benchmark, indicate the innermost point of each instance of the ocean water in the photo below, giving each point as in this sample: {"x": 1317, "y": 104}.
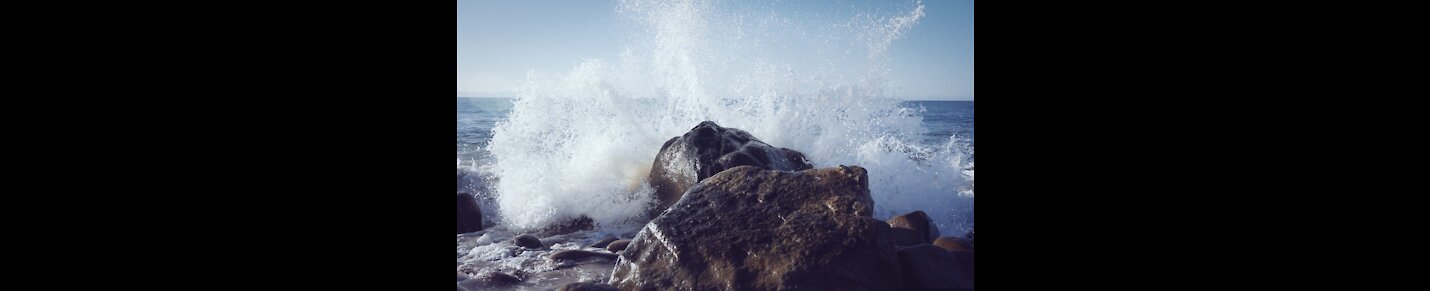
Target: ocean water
{"x": 580, "y": 143}
{"x": 949, "y": 126}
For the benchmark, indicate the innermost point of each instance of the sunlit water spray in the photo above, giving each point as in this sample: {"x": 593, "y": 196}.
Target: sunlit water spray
{"x": 581, "y": 143}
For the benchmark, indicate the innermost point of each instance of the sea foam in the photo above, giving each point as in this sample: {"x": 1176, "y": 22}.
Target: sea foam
{"x": 581, "y": 143}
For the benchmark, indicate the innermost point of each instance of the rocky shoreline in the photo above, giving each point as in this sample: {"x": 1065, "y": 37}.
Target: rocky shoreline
{"x": 730, "y": 213}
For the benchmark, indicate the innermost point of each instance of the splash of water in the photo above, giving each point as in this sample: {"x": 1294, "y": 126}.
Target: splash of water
{"x": 582, "y": 143}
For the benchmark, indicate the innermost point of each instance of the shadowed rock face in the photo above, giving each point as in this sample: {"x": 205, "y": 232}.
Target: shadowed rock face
{"x": 707, "y": 150}
{"x": 753, "y": 229}
{"x": 469, "y": 214}
{"x": 928, "y": 267}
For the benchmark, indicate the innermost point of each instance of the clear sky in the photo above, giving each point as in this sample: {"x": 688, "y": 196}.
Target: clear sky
{"x": 499, "y": 41}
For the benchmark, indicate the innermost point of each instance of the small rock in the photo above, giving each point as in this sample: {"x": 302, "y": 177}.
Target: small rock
{"x": 528, "y": 241}
{"x": 913, "y": 228}
{"x": 953, "y": 244}
{"x": 617, "y": 246}
{"x": 499, "y": 278}
{"x": 569, "y": 226}
{"x": 586, "y": 286}
{"x": 605, "y": 241}
{"x": 577, "y": 255}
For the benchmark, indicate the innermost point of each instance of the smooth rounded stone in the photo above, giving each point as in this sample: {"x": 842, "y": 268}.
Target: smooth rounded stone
{"x": 913, "y": 228}
{"x": 618, "y": 246}
{"x": 928, "y": 267}
{"x": 753, "y": 229}
{"x": 709, "y": 149}
{"x": 461, "y": 276}
{"x": 498, "y": 278}
{"x": 578, "y": 255}
{"x": 528, "y": 241}
{"x": 604, "y": 242}
{"x": 953, "y": 244}
{"x": 469, "y": 214}
{"x": 586, "y": 286}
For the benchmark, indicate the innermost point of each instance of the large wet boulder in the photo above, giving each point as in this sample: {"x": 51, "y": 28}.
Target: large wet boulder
{"x": 707, "y": 150}
{"x": 913, "y": 228}
{"x": 753, "y": 229}
{"x": 469, "y": 214}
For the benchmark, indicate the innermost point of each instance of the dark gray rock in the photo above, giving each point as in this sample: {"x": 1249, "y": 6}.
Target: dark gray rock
{"x": 707, "y": 150}
{"x": 927, "y": 267}
{"x": 528, "y": 241}
{"x": 585, "y": 286}
{"x": 469, "y": 214}
{"x": 580, "y": 255}
{"x": 498, "y": 279}
{"x": 753, "y": 229}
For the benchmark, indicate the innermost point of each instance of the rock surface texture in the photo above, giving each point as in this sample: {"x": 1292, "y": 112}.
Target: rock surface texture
{"x": 707, "y": 150}
{"x": 749, "y": 228}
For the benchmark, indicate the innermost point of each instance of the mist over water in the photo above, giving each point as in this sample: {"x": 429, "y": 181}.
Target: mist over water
{"x": 581, "y": 142}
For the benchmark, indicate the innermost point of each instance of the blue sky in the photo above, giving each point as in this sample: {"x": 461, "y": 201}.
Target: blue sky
{"x": 499, "y": 41}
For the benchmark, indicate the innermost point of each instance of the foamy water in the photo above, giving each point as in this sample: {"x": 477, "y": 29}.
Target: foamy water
{"x": 581, "y": 142}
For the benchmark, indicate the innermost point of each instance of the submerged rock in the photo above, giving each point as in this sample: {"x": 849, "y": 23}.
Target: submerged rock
{"x": 578, "y": 255}
{"x": 469, "y": 214}
{"x": 913, "y": 228}
{"x": 618, "y": 246}
{"x": 707, "y": 150}
{"x": 753, "y": 229}
{"x": 528, "y": 241}
{"x": 927, "y": 267}
{"x": 585, "y": 286}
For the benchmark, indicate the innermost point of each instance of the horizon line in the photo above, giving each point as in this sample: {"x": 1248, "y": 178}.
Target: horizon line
{"x": 970, "y": 100}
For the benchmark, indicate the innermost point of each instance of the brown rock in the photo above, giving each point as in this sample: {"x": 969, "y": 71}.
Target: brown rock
{"x": 913, "y": 228}
{"x": 752, "y": 229}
